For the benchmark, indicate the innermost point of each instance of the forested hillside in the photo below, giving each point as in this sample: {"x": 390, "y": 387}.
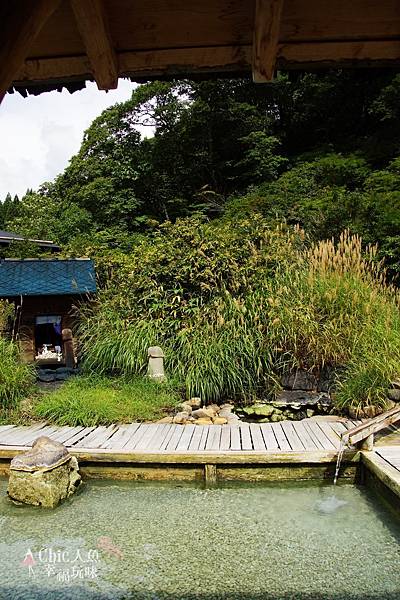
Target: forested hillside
{"x": 208, "y": 234}
{"x": 318, "y": 150}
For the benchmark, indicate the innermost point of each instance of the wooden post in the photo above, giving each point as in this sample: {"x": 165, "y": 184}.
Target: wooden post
{"x": 368, "y": 443}
{"x": 68, "y": 343}
{"x": 92, "y": 23}
{"x": 265, "y": 39}
{"x": 210, "y": 475}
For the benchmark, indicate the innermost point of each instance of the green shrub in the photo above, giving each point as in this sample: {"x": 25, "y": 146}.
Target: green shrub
{"x": 236, "y": 303}
{"x": 191, "y": 289}
{"x": 96, "y": 400}
{"x": 16, "y": 378}
{"x": 6, "y": 315}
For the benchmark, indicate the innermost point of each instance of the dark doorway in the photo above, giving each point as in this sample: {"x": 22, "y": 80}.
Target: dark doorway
{"x": 48, "y": 334}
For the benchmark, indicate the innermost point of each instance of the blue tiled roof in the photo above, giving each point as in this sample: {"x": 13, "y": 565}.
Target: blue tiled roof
{"x": 46, "y": 277}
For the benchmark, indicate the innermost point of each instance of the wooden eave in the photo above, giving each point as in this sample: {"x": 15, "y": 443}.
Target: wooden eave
{"x": 50, "y": 44}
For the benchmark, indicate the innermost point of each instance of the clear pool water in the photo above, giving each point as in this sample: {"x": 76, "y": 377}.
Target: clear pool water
{"x": 130, "y": 540}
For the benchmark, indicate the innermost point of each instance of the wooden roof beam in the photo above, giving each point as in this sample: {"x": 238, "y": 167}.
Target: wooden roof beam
{"x": 178, "y": 62}
{"x": 93, "y": 27}
{"x": 267, "y": 25}
{"x": 17, "y": 33}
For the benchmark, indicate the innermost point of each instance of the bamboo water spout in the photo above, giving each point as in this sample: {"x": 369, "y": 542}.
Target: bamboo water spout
{"x": 364, "y": 434}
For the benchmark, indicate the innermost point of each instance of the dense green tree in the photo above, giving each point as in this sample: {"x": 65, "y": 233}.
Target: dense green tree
{"x": 41, "y": 216}
{"x": 210, "y": 139}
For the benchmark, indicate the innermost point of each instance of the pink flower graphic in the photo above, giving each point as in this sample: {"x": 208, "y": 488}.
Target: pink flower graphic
{"x": 29, "y": 561}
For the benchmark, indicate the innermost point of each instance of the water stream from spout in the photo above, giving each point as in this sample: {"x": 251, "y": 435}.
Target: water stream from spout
{"x": 338, "y": 461}
{"x": 331, "y": 503}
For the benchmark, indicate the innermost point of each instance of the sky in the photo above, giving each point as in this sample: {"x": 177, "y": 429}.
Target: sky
{"x": 39, "y": 134}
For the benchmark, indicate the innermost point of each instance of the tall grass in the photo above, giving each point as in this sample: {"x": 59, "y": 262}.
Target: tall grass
{"x": 119, "y": 349}
{"x": 16, "y": 378}
{"x": 212, "y": 358}
{"x": 224, "y": 356}
{"x": 6, "y": 316}
{"x": 337, "y": 309}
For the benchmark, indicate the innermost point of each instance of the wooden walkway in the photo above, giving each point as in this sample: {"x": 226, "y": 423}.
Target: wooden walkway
{"x": 285, "y": 436}
{"x": 384, "y": 463}
{"x": 147, "y": 450}
{"x": 390, "y": 454}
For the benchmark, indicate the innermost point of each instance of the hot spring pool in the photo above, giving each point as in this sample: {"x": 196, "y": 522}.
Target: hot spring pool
{"x": 130, "y": 540}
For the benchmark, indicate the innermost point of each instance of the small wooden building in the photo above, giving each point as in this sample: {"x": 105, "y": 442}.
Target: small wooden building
{"x": 44, "y": 292}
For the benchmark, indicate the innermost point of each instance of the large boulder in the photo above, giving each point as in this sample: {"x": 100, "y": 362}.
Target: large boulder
{"x": 302, "y": 380}
{"x": 44, "y": 475}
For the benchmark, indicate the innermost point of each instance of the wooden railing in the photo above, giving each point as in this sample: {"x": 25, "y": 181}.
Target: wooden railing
{"x": 364, "y": 434}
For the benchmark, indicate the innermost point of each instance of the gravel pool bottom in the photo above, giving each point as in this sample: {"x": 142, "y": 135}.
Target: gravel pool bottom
{"x": 130, "y": 540}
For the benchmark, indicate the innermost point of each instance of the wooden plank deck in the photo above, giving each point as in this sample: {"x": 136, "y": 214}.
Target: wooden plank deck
{"x": 303, "y": 438}
{"x": 287, "y": 441}
{"x": 308, "y": 442}
{"x": 136, "y": 449}
{"x": 384, "y": 463}
{"x": 391, "y": 454}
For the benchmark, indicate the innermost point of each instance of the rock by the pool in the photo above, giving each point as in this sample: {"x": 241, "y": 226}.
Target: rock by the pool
{"x": 44, "y": 475}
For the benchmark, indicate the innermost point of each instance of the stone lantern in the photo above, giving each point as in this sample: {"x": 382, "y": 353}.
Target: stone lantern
{"x": 156, "y": 363}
